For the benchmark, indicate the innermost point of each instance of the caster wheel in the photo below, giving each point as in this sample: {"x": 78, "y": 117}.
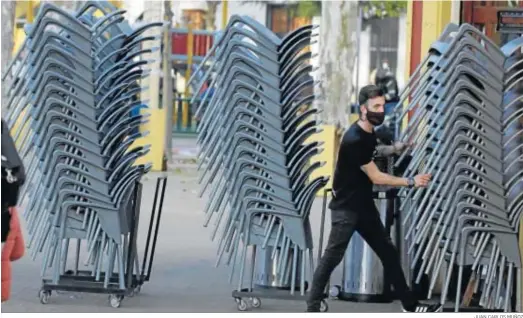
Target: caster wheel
{"x": 137, "y": 289}
{"x": 256, "y": 302}
{"x": 335, "y": 291}
{"x": 44, "y": 296}
{"x": 242, "y": 304}
{"x": 324, "y": 306}
{"x": 131, "y": 293}
{"x": 115, "y": 301}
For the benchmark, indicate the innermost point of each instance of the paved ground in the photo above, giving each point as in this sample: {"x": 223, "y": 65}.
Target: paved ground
{"x": 184, "y": 278}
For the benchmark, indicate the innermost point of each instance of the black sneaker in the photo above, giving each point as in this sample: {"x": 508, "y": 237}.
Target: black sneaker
{"x": 424, "y": 308}
{"x": 313, "y": 307}
{"x": 309, "y": 309}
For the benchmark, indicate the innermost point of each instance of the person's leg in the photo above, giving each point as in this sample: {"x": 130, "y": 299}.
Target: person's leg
{"x": 339, "y": 238}
{"x": 373, "y": 232}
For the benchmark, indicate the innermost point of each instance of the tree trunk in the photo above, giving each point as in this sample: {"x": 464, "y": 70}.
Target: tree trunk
{"x": 8, "y": 23}
{"x": 210, "y": 16}
{"x": 167, "y": 93}
{"x": 338, "y": 49}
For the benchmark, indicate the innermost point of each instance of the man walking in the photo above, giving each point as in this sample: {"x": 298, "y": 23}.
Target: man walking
{"x": 352, "y": 205}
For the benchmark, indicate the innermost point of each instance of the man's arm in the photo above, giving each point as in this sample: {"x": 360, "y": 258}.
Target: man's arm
{"x": 380, "y": 178}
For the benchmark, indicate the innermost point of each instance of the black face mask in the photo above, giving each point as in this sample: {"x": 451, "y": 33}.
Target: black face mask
{"x": 375, "y": 118}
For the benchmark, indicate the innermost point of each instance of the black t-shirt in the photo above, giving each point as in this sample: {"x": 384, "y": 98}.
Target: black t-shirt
{"x": 352, "y": 188}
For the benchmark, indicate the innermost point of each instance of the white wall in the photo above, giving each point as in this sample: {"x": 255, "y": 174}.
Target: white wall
{"x": 134, "y": 8}
{"x": 179, "y": 6}
{"x": 257, "y": 11}
{"x": 364, "y": 58}
{"x": 455, "y": 12}
{"x": 402, "y": 51}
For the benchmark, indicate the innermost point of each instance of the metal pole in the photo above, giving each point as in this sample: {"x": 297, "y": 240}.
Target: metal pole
{"x": 30, "y": 15}
{"x": 225, "y": 13}
{"x": 188, "y": 71}
{"x": 167, "y": 95}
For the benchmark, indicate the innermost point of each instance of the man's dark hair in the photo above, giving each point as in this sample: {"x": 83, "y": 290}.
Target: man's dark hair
{"x": 369, "y": 92}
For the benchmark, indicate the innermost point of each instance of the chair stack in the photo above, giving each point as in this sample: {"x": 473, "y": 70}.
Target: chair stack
{"x": 513, "y": 137}
{"x": 72, "y": 88}
{"x": 468, "y": 216}
{"x": 256, "y": 156}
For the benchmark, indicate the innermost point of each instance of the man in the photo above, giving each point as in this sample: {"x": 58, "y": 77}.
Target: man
{"x": 13, "y": 177}
{"x": 352, "y": 205}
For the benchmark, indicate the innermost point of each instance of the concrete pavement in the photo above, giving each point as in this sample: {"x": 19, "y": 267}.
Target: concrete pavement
{"x": 184, "y": 277}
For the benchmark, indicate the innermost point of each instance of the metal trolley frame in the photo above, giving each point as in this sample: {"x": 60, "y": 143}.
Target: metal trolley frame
{"x": 254, "y": 295}
{"x": 82, "y": 281}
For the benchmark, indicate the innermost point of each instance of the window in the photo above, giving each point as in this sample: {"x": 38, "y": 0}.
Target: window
{"x": 281, "y": 19}
{"x": 298, "y": 22}
{"x": 384, "y": 42}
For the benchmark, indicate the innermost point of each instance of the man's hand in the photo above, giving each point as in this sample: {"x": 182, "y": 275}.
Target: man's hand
{"x": 379, "y": 178}
{"x": 422, "y": 180}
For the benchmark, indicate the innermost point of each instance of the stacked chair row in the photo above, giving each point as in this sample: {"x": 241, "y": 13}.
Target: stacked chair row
{"x": 256, "y": 157}
{"x": 467, "y": 132}
{"x": 72, "y": 88}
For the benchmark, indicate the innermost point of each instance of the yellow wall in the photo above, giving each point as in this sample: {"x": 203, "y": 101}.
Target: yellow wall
{"x": 328, "y": 137}
{"x": 22, "y": 9}
{"x": 157, "y": 129}
{"x": 436, "y": 16}
{"x": 157, "y": 125}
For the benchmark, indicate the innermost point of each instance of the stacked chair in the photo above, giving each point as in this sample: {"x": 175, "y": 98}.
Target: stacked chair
{"x": 256, "y": 157}
{"x": 512, "y": 141}
{"x": 72, "y": 88}
{"x": 466, "y": 126}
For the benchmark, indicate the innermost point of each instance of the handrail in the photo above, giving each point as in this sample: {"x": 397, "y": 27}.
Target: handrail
{"x": 196, "y": 32}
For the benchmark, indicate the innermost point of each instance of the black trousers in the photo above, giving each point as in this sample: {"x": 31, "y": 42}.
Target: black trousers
{"x": 369, "y": 226}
